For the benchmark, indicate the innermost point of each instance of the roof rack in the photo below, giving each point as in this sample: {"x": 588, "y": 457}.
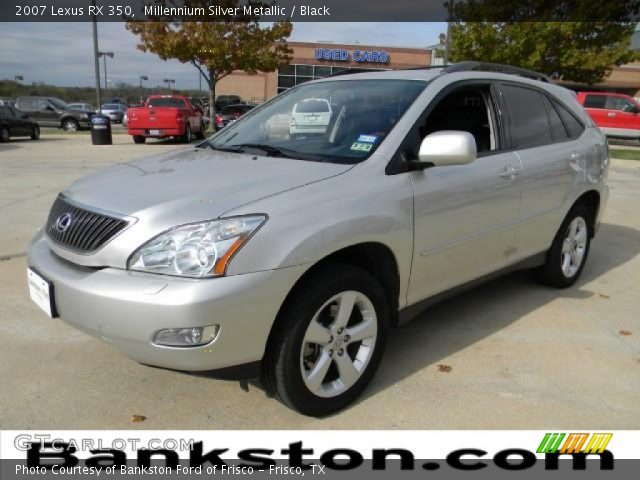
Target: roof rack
{"x": 496, "y": 67}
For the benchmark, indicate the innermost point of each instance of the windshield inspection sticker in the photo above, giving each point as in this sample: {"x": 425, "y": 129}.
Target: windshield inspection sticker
{"x": 367, "y": 138}
{"x": 361, "y": 147}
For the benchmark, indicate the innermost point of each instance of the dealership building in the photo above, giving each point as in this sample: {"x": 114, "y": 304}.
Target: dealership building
{"x": 317, "y": 60}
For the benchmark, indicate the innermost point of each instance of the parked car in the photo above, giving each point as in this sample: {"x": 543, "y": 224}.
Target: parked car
{"x": 224, "y": 100}
{"x": 230, "y": 114}
{"x": 310, "y": 116}
{"x": 82, "y": 106}
{"x": 291, "y": 257}
{"x": 7, "y": 102}
{"x": 53, "y": 112}
{"x": 166, "y": 116}
{"x": 14, "y": 123}
{"x": 125, "y": 119}
{"x": 617, "y": 115}
{"x": 115, "y": 111}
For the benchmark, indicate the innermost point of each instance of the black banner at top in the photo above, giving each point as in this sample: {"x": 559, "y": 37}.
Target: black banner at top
{"x": 321, "y": 10}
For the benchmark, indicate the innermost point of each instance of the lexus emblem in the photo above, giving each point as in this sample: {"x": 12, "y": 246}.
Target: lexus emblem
{"x": 63, "y": 222}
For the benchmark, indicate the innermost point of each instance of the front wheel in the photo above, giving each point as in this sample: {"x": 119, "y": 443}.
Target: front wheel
{"x": 70, "y": 125}
{"x": 35, "y": 132}
{"x": 4, "y": 134}
{"x": 328, "y": 341}
{"x": 138, "y": 139}
{"x": 569, "y": 250}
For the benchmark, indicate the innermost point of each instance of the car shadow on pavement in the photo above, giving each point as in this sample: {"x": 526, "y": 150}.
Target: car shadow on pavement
{"x": 458, "y": 322}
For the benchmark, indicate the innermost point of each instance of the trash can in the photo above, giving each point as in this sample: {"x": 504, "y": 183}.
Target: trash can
{"x": 101, "y": 130}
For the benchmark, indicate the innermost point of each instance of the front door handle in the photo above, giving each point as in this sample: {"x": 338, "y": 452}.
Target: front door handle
{"x": 611, "y": 114}
{"x": 509, "y": 172}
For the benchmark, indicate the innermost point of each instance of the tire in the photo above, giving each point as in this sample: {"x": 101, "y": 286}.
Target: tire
{"x": 186, "y": 138}
{"x": 292, "y": 355}
{"x": 569, "y": 251}
{"x": 4, "y": 135}
{"x": 200, "y": 135}
{"x": 70, "y": 125}
{"x": 35, "y": 132}
{"x": 139, "y": 139}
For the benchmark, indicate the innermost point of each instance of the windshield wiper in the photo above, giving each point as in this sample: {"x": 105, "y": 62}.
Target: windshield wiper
{"x": 269, "y": 149}
{"x": 222, "y": 148}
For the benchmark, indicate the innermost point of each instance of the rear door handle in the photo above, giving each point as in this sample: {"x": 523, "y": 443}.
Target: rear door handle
{"x": 611, "y": 114}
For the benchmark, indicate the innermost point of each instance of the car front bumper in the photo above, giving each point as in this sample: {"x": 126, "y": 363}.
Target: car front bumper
{"x": 127, "y": 308}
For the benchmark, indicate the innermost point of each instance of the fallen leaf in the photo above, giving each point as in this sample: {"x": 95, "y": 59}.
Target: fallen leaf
{"x": 444, "y": 368}
{"x": 603, "y": 295}
{"x": 626, "y": 333}
{"x": 138, "y": 418}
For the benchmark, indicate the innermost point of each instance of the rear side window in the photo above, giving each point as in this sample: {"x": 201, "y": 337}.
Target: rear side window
{"x": 571, "y": 123}
{"x": 529, "y": 124}
{"x": 558, "y": 130}
{"x": 595, "y": 101}
{"x": 313, "y": 106}
{"x": 5, "y": 112}
{"x": 28, "y": 103}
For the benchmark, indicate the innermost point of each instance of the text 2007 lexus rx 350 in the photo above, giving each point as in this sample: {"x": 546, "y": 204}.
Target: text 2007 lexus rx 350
{"x": 297, "y": 253}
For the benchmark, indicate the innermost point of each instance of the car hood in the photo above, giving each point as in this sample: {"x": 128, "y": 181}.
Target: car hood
{"x": 197, "y": 184}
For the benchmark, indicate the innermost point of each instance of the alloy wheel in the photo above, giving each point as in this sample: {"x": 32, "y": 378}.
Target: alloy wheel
{"x": 574, "y": 247}
{"x": 338, "y": 344}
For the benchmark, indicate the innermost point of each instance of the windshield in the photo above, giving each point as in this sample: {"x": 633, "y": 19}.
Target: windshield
{"x": 340, "y": 121}
{"x": 166, "y": 102}
{"x": 58, "y": 103}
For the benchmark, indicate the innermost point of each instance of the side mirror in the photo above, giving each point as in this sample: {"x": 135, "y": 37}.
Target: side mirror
{"x": 447, "y": 147}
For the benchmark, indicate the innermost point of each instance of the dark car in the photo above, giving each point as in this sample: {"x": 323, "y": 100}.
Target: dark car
{"x": 14, "y": 123}
{"x": 226, "y": 100}
{"x": 231, "y": 113}
{"x": 53, "y": 112}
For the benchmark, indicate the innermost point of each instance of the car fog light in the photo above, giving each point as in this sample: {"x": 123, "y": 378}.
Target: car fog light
{"x": 186, "y": 337}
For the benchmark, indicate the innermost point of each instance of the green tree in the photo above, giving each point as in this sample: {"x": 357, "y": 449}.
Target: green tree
{"x": 576, "y": 40}
{"x": 582, "y": 52}
{"x": 216, "y": 48}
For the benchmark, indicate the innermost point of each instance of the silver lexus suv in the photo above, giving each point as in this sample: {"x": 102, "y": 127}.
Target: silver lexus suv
{"x": 291, "y": 256}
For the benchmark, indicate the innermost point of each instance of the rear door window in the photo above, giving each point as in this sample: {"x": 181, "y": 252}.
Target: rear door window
{"x": 558, "y": 129}
{"x": 528, "y": 120}
{"x": 595, "y": 101}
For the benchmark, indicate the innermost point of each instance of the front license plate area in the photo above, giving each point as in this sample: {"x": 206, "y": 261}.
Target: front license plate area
{"x": 41, "y": 292}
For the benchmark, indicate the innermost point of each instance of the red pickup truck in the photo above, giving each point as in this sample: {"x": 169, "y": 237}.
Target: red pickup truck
{"x": 166, "y": 116}
{"x": 617, "y": 115}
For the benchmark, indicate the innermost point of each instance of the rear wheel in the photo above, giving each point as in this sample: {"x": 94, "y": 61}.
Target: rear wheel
{"x": 35, "y": 132}
{"x": 138, "y": 139}
{"x": 328, "y": 342}
{"x": 70, "y": 125}
{"x": 186, "y": 137}
{"x": 4, "y": 134}
{"x": 569, "y": 250}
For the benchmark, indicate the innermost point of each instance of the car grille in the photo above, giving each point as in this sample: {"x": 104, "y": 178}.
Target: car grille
{"x": 80, "y": 229}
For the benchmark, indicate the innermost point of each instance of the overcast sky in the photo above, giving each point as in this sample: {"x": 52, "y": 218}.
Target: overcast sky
{"x": 62, "y": 53}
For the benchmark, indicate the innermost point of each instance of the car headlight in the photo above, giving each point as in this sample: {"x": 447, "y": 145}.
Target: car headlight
{"x": 196, "y": 250}
{"x": 84, "y": 115}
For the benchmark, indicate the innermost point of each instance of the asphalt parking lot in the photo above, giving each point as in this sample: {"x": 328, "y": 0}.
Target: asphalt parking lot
{"x": 509, "y": 354}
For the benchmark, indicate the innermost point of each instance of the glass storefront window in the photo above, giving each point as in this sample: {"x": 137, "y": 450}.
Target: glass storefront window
{"x": 321, "y": 71}
{"x": 292, "y": 75}
{"x": 304, "y": 70}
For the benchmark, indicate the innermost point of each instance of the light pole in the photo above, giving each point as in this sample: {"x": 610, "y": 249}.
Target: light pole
{"x": 169, "y": 81}
{"x": 18, "y": 78}
{"x": 447, "y": 45}
{"x": 143, "y": 77}
{"x": 96, "y": 62}
{"x": 104, "y": 56}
